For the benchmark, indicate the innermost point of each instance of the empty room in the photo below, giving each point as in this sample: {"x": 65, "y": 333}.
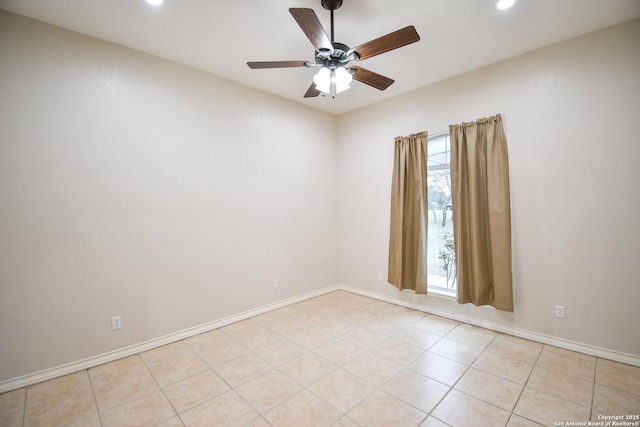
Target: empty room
{"x": 319, "y": 213}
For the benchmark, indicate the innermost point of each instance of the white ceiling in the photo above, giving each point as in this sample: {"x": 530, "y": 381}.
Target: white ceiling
{"x": 221, "y": 36}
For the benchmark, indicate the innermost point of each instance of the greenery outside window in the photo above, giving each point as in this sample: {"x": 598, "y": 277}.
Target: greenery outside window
{"x": 441, "y": 275}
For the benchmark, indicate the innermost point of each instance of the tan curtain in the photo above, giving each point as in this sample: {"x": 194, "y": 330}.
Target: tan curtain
{"x": 408, "y": 236}
{"x": 481, "y": 213}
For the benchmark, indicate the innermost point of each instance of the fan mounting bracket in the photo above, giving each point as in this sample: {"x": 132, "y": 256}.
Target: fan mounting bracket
{"x": 331, "y": 4}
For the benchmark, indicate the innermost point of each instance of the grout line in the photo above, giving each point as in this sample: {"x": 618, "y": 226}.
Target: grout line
{"x": 93, "y": 393}
{"x": 175, "y": 412}
{"x": 24, "y": 408}
{"x": 533, "y": 367}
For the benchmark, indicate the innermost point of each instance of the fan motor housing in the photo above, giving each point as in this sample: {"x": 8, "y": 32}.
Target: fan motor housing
{"x": 331, "y": 4}
{"x": 339, "y": 57}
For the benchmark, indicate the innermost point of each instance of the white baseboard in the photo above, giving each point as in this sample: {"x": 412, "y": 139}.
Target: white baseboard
{"x": 69, "y": 368}
{"x": 604, "y": 353}
{"x": 91, "y": 362}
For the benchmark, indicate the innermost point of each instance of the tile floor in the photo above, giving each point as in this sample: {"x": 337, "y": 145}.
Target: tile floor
{"x": 341, "y": 360}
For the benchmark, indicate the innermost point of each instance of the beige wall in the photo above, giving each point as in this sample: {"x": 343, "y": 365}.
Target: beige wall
{"x": 134, "y": 186}
{"x": 571, "y": 117}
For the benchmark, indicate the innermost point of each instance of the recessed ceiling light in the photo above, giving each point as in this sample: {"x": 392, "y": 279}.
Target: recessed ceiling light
{"x": 155, "y": 2}
{"x": 503, "y": 4}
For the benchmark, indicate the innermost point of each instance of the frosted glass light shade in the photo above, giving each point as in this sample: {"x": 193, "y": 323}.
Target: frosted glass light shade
{"x": 332, "y": 82}
{"x": 342, "y": 79}
{"x": 323, "y": 80}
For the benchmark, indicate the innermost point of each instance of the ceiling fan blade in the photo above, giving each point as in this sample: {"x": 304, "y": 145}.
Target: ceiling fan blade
{"x": 276, "y": 64}
{"x": 370, "y": 78}
{"x": 310, "y": 24}
{"x": 312, "y": 92}
{"x": 386, "y": 43}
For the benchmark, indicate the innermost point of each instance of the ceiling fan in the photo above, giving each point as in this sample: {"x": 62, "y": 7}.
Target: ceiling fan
{"x": 332, "y": 58}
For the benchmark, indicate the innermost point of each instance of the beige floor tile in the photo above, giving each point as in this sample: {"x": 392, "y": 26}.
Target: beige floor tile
{"x": 268, "y": 390}
{"x": 167, "y": 353}
{"x": 352, "y": 301}
{"x": 461, "y": 410}
{"x": 439, "y": 368}
{"x": 222, "y": 353}
{"x": 416, "y": 337}
{"x": 372, "y": 368}
{"x": 337, "y": 326}
{"x": 378, "y": 308}
{"x": 516, "y": 348}
{"x": 358, "y": 317}
{"x": 404, "y": 315}
{"x": 495, "y": 390}
{"x": 342, "y": 390}
{"x": 463, "y": 353}
{"x": 618, "y": 376}
{"x": 568, "y": 352}
{"x": 12, "y": 408}
{"x": 567, "y": 363}
{"x": 54, "y": 416}
{"x": 516, "y": 421}
{"x": 304, "y": 409}
{"x": 92, "y": 421}
{"x": 416, "y": 389}
{"x": 312, "y": 339}
{"x": 148, "y": 410}
{"x": 546, "y": 409}
{"x": 564, "y": 386}
{"x": 504, "y": 367}
{"x": 195, "y": 390}
{"x": 339, "y": 351}
{"x": 242, "y": 369}
{"x": 472, "y": 335}
{"x": 116, "y": 370}
{"x": 258, "y": 422}
{"x": 307, "y": 369}
{"x": 280, "y": 352}
{"x": 287, "y": 327}
{"x": 257, "y": 340}
{"x": 60, "y": 401}
{"x": 272, "y": 318}
{"x": 385, "y": 326}
{"x": 318, "y": 315}
{"x": 615, "y": 402}
{"x": 170, "y": 372}
{"x": 226, "y": 410}
{"x": 397, "y": 351}
{"x": 215, "y": 338}
{"x": 364, "y": 337}
{"x": 345, "y": 422}
{"x": 382, "y": 409}
{"x": 243, "y": 329}
{"x": 435, "y": 325}
{"x": 171, "y": 422}
{"x": 117, "y": 391}
{"x": 433, "y": 422}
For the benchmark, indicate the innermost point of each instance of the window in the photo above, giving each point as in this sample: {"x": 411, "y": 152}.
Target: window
{"x": 441, "y": 275}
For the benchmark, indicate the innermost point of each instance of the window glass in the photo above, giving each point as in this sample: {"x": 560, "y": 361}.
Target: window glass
{"x": 440, "y": 252}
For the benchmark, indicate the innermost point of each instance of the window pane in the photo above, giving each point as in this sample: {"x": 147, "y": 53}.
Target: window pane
{"x": 440, "y": 252}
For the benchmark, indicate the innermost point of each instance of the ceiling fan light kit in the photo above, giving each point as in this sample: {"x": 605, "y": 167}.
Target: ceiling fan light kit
{"x": 333, "y": 58}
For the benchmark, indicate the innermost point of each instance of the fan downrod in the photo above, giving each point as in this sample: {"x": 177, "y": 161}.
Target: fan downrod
{"x": 331, "y": 4}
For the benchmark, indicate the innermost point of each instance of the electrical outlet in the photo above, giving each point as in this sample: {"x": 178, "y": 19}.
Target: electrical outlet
{"x": 276, "y": 283}
{"x": 560, "y": 311}
{"x": 379, "y": 277}
{"x": 116, "y": 323}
